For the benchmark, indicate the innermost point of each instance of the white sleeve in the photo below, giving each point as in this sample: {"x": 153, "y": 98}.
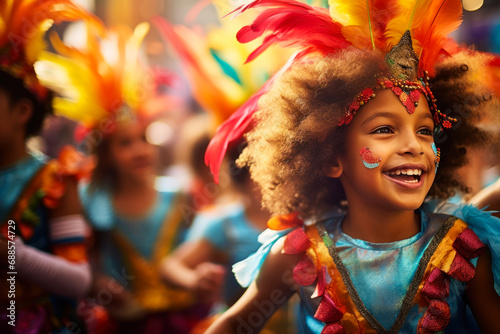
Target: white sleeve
{"x": 53, "y": 273}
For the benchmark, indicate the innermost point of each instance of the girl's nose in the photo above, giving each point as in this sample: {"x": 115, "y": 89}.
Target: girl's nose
{"x": 411, "y": 145}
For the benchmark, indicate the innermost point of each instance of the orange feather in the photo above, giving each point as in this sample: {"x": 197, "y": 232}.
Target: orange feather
{"x": 431, "y": 27}
{"x": 364, "y": 21}
{"x": 429, "y": 22}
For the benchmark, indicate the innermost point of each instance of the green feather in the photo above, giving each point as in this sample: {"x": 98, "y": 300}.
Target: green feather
{"x": 413, "y": 13}
{"x": 370, "y": 25}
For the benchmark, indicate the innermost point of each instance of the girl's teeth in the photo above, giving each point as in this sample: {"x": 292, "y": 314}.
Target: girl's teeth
{"x": 407, "y": 172}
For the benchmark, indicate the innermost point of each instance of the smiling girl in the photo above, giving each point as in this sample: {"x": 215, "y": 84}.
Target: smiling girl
{"x": 348, "y": 145}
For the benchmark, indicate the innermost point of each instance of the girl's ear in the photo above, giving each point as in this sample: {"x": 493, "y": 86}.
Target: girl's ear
{"x": 24, "y": 111}
{"x": 335, "y": 170}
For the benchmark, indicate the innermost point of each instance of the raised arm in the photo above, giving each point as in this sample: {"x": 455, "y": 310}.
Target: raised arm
{"x": 272, "y": 288}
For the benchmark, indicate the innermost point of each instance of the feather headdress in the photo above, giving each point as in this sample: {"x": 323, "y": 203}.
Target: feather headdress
{"x": 23, "y": 24}
{"x": 220, "y": 81}
{"x": 103, "y": 83}
{"x": 412, "y": 33}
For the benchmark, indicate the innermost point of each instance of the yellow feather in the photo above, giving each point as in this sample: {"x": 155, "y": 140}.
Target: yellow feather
{"x": 347, "y": 13}
{"x": 96, "y": 81}
{"x": 358, "y": 20}
{"x": 399, "y": 24}
{"x": 75, "y": 85}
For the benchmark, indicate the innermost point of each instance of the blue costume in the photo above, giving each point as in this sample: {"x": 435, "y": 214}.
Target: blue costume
{"x": 381, "y": 274}
{"x": 26, "y": 189}
{"x": 229, "y": 231}
{"x": 131, "y": 251}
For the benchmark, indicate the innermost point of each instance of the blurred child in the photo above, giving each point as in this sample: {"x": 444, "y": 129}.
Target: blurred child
{"x": 227, "y": 232}
{"x": 349, "y": 141}
{"x": 43, "y": 260}
{"x": 221, "y": 235}
{"x": 135, "y": 224}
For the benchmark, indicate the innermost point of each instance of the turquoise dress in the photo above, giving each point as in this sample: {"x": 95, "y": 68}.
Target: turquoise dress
{"x": 13, "y": 181}
{"x": 131, "y": 251}
{"x": 382, "y": 273}
{"x": 229, "y": 231}
{"x": 141, "y": 232}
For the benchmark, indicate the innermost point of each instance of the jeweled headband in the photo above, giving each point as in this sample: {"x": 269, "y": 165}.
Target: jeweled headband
{"x": 402, "y": 79}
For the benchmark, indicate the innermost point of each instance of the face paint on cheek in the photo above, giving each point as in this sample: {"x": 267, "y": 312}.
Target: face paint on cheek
{"x": 437, "y": 153}
{"x": 369, "y": 160}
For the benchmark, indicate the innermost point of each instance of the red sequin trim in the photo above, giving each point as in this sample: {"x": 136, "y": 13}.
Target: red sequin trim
{"x": 468, "y": 244}
{"x": 437, "y": 285}
{"x": 327, "y": 310}
{"x": 436, "y": 289}
{"x": 461, "y": 269}
{"x": 437, "y": 316}
{"x": 304, "y": 272}
{"x": 296, "y": 242}
{"x": 333, "y": 328}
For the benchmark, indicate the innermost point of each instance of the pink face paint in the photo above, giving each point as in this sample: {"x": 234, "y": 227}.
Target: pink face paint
{"x": 369, "y": 160}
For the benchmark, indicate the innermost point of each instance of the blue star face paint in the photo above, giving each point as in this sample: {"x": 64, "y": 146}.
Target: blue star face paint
{"x": 369, "y": 160}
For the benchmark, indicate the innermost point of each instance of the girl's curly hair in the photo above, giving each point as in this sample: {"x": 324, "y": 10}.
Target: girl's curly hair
{"x": 296, "y": 137}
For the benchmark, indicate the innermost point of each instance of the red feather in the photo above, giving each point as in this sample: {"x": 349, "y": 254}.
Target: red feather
{"x": 236, "y": 125}
{"x": 170, "y": 35}
{"x": 492, "y": 79}
{"x": 205, "y": 87}
{"x": 442, "y": 18}
{"x": 232, "y": 129}
{"x": 291, "y": 23}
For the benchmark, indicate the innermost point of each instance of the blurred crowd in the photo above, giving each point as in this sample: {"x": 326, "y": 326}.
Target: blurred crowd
{"x": 120, "y": 226}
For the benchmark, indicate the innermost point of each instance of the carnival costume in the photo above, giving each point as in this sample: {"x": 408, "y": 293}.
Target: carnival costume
{"x": 30, "y": 188}
{"x": 101, "y": 92}
{"x": 348, "y": 285}
{"x": 50, "y": 255}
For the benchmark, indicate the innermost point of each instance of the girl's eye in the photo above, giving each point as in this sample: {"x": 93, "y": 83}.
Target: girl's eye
{"x": 383, "y": 129}
{"x": 425, "y": 132}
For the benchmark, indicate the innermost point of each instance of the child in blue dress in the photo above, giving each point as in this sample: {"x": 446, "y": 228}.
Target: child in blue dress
{"x": 136, "y": 223}
{"x": 349, "y": 143}
{"x": 221, "y": 235}
{"x": 42, "y": 231}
